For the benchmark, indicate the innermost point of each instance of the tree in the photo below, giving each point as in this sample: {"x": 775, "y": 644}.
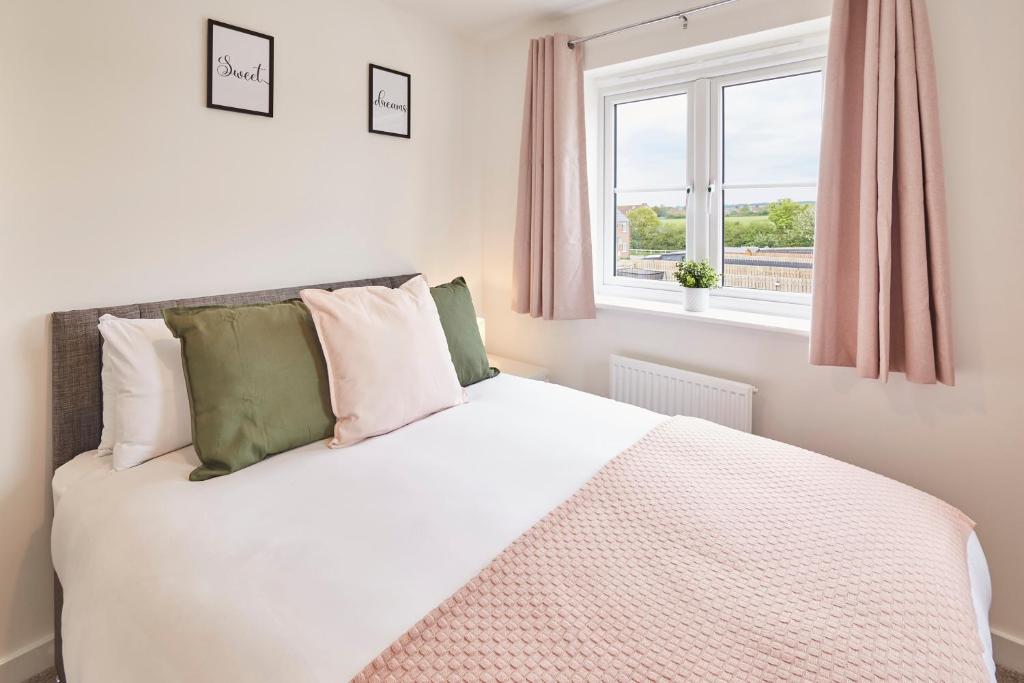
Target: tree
{"x": 802, "y": 232}
{"x": 783, "y": 213}
{"x": 643, "y": 226}
{"x": 750, "y": 232}
{"x": 794, "y": 223}
{"x": 643, "y": 217}
{"x": 669, "y": 237}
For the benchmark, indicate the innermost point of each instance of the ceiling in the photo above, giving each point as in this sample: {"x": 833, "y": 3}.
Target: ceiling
{"x": 488, "y": 17}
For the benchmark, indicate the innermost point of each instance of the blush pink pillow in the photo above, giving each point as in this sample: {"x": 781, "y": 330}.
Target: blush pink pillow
{"x": 387, "y": 357}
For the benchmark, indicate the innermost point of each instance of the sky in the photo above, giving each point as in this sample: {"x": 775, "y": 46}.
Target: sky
{"x": 772, "y": 129}
{"x": 651, "y": 143}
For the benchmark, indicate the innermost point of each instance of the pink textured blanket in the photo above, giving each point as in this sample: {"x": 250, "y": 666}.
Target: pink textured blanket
{"x": 702, "y": 553}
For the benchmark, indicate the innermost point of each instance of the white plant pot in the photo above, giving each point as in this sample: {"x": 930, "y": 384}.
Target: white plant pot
{"x": 698, "y": 299}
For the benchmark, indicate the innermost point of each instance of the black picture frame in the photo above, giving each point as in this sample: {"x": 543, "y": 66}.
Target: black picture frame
{"x": 371, "y": 98}
{"x": 209, "y": 69}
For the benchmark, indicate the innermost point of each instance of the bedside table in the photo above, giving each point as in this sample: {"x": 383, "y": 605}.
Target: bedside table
{"x": 518, "y": 368}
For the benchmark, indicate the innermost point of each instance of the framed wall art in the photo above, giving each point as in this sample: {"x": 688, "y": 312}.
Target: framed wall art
{"x": 390, "y": 102}
{"x": 239, "y": 70}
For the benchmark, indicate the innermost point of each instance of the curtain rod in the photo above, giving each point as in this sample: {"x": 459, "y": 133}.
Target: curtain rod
{"x": 647, "y": 22}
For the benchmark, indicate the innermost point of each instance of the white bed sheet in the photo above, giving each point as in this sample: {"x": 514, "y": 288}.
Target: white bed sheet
{"x": 395, "y": 525}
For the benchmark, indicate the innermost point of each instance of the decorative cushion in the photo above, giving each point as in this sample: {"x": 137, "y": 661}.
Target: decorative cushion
{"x": 387, "y": 357}
{"x": 458, "y": 319}
{"x": 145, "y": 404}
{"x": 257, "y": 382}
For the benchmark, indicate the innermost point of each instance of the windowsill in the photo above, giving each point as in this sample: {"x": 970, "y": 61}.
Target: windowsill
{"x": 800, "y": 327}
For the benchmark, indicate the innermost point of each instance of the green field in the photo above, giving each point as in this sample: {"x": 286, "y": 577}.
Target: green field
{"x": 680, "y": 223}
{"x": 740, "y": 231}
{"x": 784, "y": 223}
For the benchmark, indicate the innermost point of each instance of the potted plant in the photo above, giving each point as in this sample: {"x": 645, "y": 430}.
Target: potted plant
{"x": 697, "y": 279}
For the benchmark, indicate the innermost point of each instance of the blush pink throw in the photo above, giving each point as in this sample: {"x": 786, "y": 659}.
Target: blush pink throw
{"x": 702, "y": 553}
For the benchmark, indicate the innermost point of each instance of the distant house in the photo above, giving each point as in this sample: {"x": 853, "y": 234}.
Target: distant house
{"x": 623, "y": 236}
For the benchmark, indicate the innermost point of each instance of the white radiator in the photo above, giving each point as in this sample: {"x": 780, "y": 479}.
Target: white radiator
{"x": 678, "y": 392}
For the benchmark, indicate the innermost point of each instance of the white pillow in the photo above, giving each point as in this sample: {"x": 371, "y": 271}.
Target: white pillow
{"x": 106, "y": 446}
{"x": 144, "y": 380}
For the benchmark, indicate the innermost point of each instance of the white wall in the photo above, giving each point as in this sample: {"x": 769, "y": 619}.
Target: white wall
{"x": 963, "y": 444}
{"x": 118, "y": 185}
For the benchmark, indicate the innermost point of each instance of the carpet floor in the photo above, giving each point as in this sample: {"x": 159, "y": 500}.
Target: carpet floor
{"x": 1007, "y": 676}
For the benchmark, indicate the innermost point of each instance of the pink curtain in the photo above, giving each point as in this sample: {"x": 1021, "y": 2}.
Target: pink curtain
{"x": 881, "y": 272}
{"x": 552, "y": 267}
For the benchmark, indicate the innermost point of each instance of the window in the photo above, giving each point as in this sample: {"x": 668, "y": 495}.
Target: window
{"x": 770, "y": 129}
{"x": 650, "y": 182}
{"x": 720, "y": 165}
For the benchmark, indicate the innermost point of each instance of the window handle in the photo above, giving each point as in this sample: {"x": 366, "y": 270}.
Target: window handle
{"x": 711, "y": 192}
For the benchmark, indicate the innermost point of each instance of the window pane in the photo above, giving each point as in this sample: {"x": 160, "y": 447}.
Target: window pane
{"x": 771, "y": 130}
{"x": 650, "y": 143}
{"x": 650, "y": 234}
{"x": 769, "y": 239}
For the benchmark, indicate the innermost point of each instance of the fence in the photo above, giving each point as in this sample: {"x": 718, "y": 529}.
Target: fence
{"x": 777, "y": 270}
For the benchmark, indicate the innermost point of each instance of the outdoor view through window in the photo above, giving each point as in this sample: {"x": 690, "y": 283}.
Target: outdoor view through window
{"x": 769, "y": 131}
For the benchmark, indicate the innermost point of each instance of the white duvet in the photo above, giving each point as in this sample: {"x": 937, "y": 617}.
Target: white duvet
{"x": 304, "y": 567}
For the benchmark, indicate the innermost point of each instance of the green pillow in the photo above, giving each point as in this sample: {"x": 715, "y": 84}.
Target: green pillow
{"x": 458, "y": 318}
{"x": 257, "y": 382}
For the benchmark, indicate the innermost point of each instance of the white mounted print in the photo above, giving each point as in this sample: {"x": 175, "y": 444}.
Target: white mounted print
{"x": 390, "y": 102}
{"x": 240, "y": 70}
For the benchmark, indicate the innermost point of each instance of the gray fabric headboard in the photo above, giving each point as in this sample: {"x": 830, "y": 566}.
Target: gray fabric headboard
{"x": 77, "y": 395}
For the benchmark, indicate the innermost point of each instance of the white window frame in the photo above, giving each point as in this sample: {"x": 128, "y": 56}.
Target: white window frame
{"x": 610, "y": 101}
{"x": 702, "y": 82}
{"x": 717, "y": 139}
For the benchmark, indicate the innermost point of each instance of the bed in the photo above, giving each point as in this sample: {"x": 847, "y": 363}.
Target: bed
{"x": 306, "y": 566}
